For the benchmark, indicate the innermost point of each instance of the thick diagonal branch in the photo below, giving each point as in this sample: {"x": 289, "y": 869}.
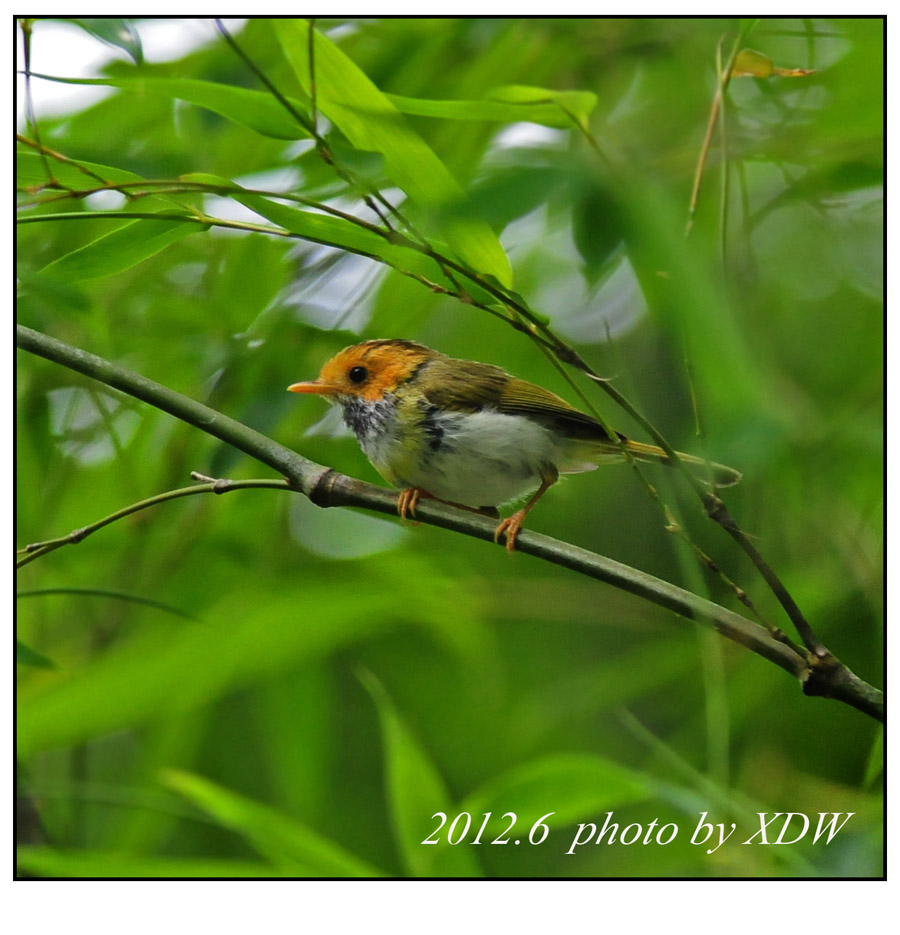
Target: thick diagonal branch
{"x": 326, "y": 487}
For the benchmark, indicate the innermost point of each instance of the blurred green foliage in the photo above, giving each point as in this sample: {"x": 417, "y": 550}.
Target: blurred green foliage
{"x": 341, "y": 678}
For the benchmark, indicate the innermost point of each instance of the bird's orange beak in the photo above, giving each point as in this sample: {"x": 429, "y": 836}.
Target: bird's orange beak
{"x": 313, "y": 386}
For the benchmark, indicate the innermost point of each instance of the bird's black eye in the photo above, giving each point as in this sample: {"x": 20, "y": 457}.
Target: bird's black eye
{"x": 357, "y": 374}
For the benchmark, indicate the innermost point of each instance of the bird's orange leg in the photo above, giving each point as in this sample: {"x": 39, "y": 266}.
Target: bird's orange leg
{"x": 512, "y": 524}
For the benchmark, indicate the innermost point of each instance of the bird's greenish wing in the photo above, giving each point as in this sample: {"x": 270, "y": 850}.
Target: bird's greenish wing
{"x": 470, "y": 386}
{"x": 519, "y": 397}
{"x": 462, "y": 385}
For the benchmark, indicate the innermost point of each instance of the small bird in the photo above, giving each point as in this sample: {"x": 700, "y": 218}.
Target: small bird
{"x": 467, "y": 433}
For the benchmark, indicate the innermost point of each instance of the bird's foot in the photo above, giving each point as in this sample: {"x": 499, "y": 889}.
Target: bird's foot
{"x": 510, "y": 526}
{"x": 409, "y": 500}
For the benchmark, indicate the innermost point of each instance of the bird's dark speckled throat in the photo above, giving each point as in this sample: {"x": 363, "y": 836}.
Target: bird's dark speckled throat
{"x": 366, "y": 418}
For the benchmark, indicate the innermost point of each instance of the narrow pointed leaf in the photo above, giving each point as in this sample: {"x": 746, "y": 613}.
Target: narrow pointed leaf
{"x": 576, "y": 786}
{"x": 94, "y": 865}
{"x": 31, "y": 172}
{"x": 119, "y": 250}
{"x": 258, "y": 110}
{"x": 119, "y": 33}
{"x": 277, "y": 837}
{"x": 547, "y": 111}
{"x": 576, "y": 105}
{"x": 27, "y": 656}
{"x": 338, "y": 232}
{"x": 415, "y": 792}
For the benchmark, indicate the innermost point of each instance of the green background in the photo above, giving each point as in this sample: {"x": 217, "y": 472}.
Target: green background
{"x": 319, "y": 683}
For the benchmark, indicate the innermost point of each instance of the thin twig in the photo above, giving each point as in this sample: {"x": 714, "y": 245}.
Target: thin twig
{"x": 301, "y": 119}
{"x": 723, "y": 150}
{"x": 45, "y": 151}
{"x": 27, "y": 25}
{"x": 311, "y": 55}
{"x": 723, "y": 77}
{"x": 717, "y": 511}
{"x": 114, "y": 595}
{"x": 36, "y": 550}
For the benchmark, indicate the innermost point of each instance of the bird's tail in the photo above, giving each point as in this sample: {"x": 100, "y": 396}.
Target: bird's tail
{"x": 720, "y": 474}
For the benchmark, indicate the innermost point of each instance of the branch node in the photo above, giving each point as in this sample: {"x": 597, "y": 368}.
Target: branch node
{"x": 819, "y": 683}
{"x": 824, "y": 662}
{"x": 715, "y": 510}
{"x": 220, "y": 485}
{"x": 569, "y": 355}
{"x": 322, "y": 492}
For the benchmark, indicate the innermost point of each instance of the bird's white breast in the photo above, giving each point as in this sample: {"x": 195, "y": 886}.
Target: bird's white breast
{"x": 481, "y": 458}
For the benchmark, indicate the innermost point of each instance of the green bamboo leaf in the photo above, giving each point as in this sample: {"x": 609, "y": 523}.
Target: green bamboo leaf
{"x": 94, "y": 865}
{"x": 574, "y": 787}
{"x": 119, "y": 250}
{"x": 875, "y": 760}
{"x": 549, "y": 108}
{"x": 578, "y": 105}
{"x": 369, "y": 120}
{"x": 30, "y": 172}
{"x": 338, "y": 232}
{"x": 260, "y": 111}
{"x": 323, "y": 228}
{"x": 112, "y": 595}
{"x": 119, "y": 33}
{"x": 415, "y": 793}
{"x": 80, "y": 176}
{"x": 286, "y": 843}
{"x": 257, "y": 110}
{"x": 27, "y": 656}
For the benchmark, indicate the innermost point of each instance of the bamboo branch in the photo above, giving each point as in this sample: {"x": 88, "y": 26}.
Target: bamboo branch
{"x": 325, "y": 487}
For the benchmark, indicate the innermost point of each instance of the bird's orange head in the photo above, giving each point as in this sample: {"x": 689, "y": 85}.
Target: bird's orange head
{"x": 367, "y": 370}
